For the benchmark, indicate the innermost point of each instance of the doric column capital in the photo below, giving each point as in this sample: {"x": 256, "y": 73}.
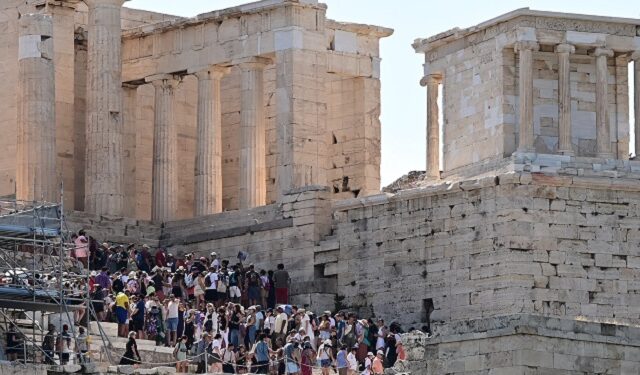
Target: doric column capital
{"x": 163, "y": 80}
{"x": 431, "y": 79}
{"x": 635, "y": 56}
{"x": 210, "y": 72}
{"x": 602, "y": 52}
{"x": 95, "y": 3}
{"x": 526, "y": 45}
{"x": 255, "y": 62}
{"x": 565, "y": 48}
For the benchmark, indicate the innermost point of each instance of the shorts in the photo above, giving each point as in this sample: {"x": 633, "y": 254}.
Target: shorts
{"x": 325, "y": 363}
{"x": 292, "y": 367}
{"x": 172, "y": 324}
{"x": 138, "y": 325}
{"x": 121, "y": 315}
{"x": 234, "y": 291}
{"x": 254, "y": 292}
{"x": 211, "y": 295}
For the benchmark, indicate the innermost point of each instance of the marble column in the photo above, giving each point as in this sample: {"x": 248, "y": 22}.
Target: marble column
{"x": 636, "y": 99}
{"x": 164, "y": 189}
{"x": 253, "y": 168}
{"x": 208, "y": 173}
{"x": 564, "y": 52}
{"x": 525, "y": 84}
{"x": 36, "y": 146}
{"x": 433, "y": 126}
{"x": 104, "y": 175}
{"x": 603, "y": 131}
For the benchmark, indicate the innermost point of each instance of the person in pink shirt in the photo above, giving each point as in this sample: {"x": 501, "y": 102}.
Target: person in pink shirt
{"x": 81, "y": 248}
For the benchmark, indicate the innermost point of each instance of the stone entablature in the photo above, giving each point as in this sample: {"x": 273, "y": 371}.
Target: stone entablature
{"x": 308, "y": 115}
{"x": 531, "y": 82}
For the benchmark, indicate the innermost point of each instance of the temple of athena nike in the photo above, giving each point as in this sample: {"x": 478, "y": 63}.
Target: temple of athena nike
{"x": 257, "y": 129}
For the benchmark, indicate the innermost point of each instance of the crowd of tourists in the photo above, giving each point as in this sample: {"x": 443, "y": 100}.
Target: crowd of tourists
{"x": 223, "y": 316}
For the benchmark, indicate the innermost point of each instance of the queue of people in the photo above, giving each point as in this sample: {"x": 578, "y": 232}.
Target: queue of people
{"x": 227, "y": 317}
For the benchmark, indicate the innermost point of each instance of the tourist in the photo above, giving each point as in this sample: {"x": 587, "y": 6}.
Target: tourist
{"x": 216, "y": 355}
{"x": 352, "y": 361}
{"x": 234, "y": 283}
{"x": 202, "y": 347}
{"x": 242, "y": 360}
{"x": 377, "y": 367}
{"x": 131, "y": 355}
{"x": 81, "y": 248}
{"x": 14, "y": 344}
{"x": 341, "y": 361}
{"x": 261, "y": 352}
{"x": 63, "y": 345}
{"x": 308, "y": 359}
{"x": 48, "y": 344}
{"x": 122, "y": 313}
{"x": 180, "y": 354}
{"x": 280, "y": 325}
{"x": 138, "y": 316}
{"x": 292, "y": 357}
{"x": 325, "y": 356}
{"x": 82, "y": 345}
{"x": 228, "y": 360}
{"x": 281, "y": 283}
{"x": 172, "y": 307}
{"x": 254, "y": 285}
{"x": 367, "y": 364}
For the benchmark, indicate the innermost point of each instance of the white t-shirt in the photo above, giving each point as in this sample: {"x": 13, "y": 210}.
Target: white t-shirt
{"x": 353, "y": 362}
{"x": 323, "y": 353}
{"x": 213, "y": 276}
{"x": 172, "y": 308}
{"x": 216, "y": 345}
{"x": 270, "y": 323}
{"x": 380, "y": 340}
{"x": 367, "y": 366}
{"x": 215, "y": 263}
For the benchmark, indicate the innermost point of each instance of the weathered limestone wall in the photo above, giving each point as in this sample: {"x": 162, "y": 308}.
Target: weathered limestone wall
{"x": 286, "y": 233}
{"x": 524, "y": 344}
{"x": 549, "y": 244}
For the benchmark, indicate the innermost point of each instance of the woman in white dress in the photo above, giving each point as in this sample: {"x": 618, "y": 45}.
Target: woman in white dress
{"x": 307, "y": 324}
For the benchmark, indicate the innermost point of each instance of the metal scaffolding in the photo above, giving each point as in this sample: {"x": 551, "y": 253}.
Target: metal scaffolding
{"x": 40, "y": 282}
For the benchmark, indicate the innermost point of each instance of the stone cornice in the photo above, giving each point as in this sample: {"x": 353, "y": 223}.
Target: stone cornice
{"x": 535, "y": 18}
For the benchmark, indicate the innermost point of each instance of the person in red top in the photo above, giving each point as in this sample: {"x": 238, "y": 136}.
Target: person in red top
{"x": 161, "y": 258}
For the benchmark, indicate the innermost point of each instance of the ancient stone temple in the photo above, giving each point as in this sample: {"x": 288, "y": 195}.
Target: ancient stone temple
{"x": 257, "y": 129}
{"x": 157, "y": 117}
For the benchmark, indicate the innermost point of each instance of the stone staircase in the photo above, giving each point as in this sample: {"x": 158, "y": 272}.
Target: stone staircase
{"x": 151, "y": 354}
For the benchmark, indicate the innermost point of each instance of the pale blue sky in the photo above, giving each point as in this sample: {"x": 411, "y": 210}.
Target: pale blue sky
{"x": 403, "y": 100}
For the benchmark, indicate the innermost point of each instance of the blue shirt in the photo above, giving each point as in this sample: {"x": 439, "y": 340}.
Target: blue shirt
{"x": 262, "y": 352}
{"x": 341, "y": 359}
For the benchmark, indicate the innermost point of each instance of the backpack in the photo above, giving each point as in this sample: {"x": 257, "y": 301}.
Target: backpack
{"x": 233, "y": 279}
{"x": 207, "y": 280}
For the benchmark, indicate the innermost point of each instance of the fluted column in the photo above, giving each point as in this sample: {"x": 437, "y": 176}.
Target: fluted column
{"x": 36, "y": 146}
{"x": 164, "y": 196}
{"x": 525, "y": 82}
{"x": 104, "y": 167}
{"x": 564, "y": 52}
{"x": 253, "y": 174}
{"x": 433, "y": 126}
{"x": 208, "y": 173}
{"x": 636, "y": 99}
{"x": 603, "y": 131}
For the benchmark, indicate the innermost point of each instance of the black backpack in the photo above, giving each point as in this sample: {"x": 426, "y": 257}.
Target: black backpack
{"x": 207, "y": 280}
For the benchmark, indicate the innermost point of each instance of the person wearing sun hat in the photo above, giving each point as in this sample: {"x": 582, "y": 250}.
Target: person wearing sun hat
{"x": 377, "y": 367}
